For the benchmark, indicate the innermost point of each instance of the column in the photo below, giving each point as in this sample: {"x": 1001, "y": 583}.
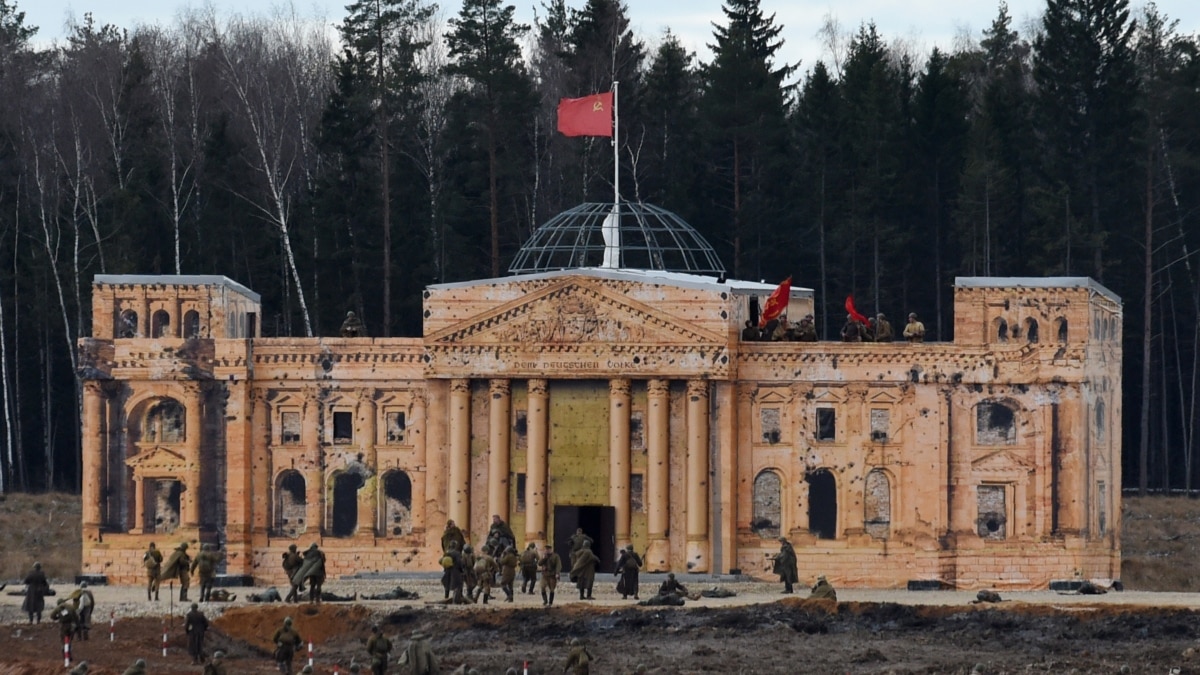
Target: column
{"x": 535, "y": 470}
{"x": 658, "y": 555}
{"x": 434, "y": 508}
{"x": 499, "y": 442}
{"x": 314, "y": 480}
{"x": 697, "y": 476}
{"x": 139, "y": 505}
{"x": 368, "y": 501}
{"x": 194, "y": 433}
{"x": 618, "y": 456}
{"x": 418, "y": 473}
{"x": 261, "y": 485}
{"x": 240, "y": 490}
{"x": 460, "y": 452}
{"x": 94, "y": 451}
{"x": 725, "y": 506}
{"x": 961, "y": 517}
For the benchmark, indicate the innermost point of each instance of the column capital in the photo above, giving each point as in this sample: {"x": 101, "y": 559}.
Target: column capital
{"x": 95, "y": 388}
{"x": 697, "y": 388}
{"x": 658, "y": 387}
{"x": 499, "y": 387}
{"x": 619, "y": 387}
{"x": 420, "y": 397}
{"x": 538, "y": 386}
{"x": 460, "y": 386}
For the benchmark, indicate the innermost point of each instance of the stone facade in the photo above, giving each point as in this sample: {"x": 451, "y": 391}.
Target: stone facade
{"x": 616, "y": 400}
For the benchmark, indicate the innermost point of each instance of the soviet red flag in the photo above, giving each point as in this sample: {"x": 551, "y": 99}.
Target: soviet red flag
{"x": 587, "y": 116}
{"x": 777, "y": 303}
{"x": 854, "y": 312}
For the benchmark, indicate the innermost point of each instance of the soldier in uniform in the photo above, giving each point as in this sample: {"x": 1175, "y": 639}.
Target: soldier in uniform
{"x": 419, "y": 655}
{"x": 485, "y": 574}
{"x": 583, "y": 571}
{"x": 502, "y": 533}
{"x": 83, "y": 602}
{"x": 217, "y": 665}
{"x": 551, "y": 567}
{"x": 467, "y": 563}
{"x": 452, "y": 575}
{"x": 628, "y": 565}
{"x": 578, "y": 659}
{"x": 577, "y": 542}
{"x": 353, "y": 326}
{"x": 205, "y": 567}
{"x": 68, "y": 620}
{"x": 181, "y": 569}
{"x": 195, "y": 624}
{"x": 138, "y": 668}
{"x": 529, "y": 567}
{"x": 852, "y": 331}
{"x": 785, "y": 564}
{"x": 292, "y": 562}
{"x": 508, "y": 571}
{"x": 287, "y": 641}
{"x": 378, "y": 648}
{"x": 914, "y": 331}
{"x": 152, "y": 560}
{"x": 452, "y": 533}
{"x": 36, "y": 588}
{"x": 823, "y": 589}
{"x": 316, "y": 578}
{"x": 806, "y": 330}
{"x": 750, "y": 332}
{"x": 883, "y": 329}
{"x": 671, "y": 586}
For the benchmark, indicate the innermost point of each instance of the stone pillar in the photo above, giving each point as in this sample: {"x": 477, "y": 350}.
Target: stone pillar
{"x": 961, "y": 512}
{"x": 262, "y": 485}
{"x": 240, "y": 489}
{"x": 537, "y": 421}
{"x": 368, "y": 501}
{"x": 658, "y": 555}
{"x": 499, "y": 441}
{"x": 697, "y": 476}
{"x": 194, "y": 437}
{"x": 418, "y": 435}
{"x": 94, "y": 452}
{"x": 725, "y": 508}
{"x": 618, "y": 455}
{"x": 435, "y": 511}
{"x": 139, "y": 505}
{"x": 314, "y": 480}
{"x": 460, "y": 452}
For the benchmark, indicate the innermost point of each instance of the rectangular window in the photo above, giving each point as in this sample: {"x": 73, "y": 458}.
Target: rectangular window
{"x": 880, "y": 419}
{"x": 395, "y": 427}
{"x": 1102, "y": 498}
{"x": 343, "y": 427}
{"x": 520, "y": 483}
{"x": 769, "y": 418}
{"x": 992, "y": 522}
{"x": 637, "y": 435}
{"x": 826, "y": 424}
{"x": 289, "y": 428}
{"x": 637, "y": 493}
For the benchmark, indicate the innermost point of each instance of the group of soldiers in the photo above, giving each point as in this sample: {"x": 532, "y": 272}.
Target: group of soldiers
{"x": 856, "y": 329}
{"x": 180, "y": 565}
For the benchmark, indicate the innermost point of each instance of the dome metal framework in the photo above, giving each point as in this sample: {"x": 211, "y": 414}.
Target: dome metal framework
{"x": 651, "y": 238}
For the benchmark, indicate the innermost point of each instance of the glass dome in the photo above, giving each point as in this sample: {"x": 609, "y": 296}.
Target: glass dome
{"x": 651, "y": 238}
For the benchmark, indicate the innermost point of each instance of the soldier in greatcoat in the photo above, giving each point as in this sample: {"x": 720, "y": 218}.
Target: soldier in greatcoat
{"x": 583, "y": 571}
{"x": 508, "y": 563}
{"x": 628, "y": 565}
{"x": 785, "y": 564}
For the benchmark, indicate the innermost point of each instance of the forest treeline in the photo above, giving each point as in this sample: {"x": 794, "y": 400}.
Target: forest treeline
{"x": 417, "y": 145}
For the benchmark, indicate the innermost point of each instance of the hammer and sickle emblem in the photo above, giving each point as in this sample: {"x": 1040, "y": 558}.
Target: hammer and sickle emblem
{"x": 597, "y": 106}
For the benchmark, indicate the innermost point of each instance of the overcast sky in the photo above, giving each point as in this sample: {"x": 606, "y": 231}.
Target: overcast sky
{"x": 922, "y": 24}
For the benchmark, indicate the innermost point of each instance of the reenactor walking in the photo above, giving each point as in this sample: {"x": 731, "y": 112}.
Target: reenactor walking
{"x": 578, "y": 659}
{"x": 628, "y": 565}
{"x": 583, "y": 571}
{"x": 529, "y": 567}
{"x": 152, "y": 561}
{"x": 178, "y": 566}
{"x": 195, "y": 624}
{"x": 485, "y": 575}
{"x": 419, "y": 655}
{"x": 785, "y": 564}
{"x": 551, "y": 567}
{"x": 468, "y": 571}
{"x": 452, "y": 574}
{"x": 313, "y": 572}
{"x": 83, "y": 602}
{"x": 205, "y": 567}
{"x": 292, "y": 562}
{"x": 36, "y": 589}
{"x": 508, "y": 571}
{"x": 217, "y": 665}
{"x": 378, "y": 648}
{"x": 577, "y": 542}
{"x": 287, "y": 641}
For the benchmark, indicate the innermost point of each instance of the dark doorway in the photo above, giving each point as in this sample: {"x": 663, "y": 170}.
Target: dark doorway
{"x": 822, "y": 504}
{"x": 598, "y": 522}
{"x": 345, "y": 503}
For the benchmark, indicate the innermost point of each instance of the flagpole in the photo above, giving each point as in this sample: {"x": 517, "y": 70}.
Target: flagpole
{"x": 616, "y": 151}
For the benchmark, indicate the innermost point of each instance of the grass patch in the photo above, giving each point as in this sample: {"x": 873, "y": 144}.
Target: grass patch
{"x": 41, "y": 528}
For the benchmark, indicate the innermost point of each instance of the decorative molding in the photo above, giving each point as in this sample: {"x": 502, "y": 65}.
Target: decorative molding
{"x": 538, "y": 387}
{"x": 619, "y": 387}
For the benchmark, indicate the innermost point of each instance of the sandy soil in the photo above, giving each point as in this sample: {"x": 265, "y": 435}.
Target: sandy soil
{"x": 758, "y": 631}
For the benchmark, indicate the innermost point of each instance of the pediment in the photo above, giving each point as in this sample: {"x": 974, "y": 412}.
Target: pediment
{"x": 157, "y": 461}
{"x": 827, "y": 396}
{"x": 773, "y": 396}
{"x": 883, "y": 396}
{"x": 1000, "y": 461}
{"x": 572, "y": 312}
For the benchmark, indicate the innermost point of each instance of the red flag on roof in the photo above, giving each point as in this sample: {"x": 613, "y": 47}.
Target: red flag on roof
{"x": 587, "y": 116}
{"x": 777, "y": 303}
{"x": 854, "y": 312}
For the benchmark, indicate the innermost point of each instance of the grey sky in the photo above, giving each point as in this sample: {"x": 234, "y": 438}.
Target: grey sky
{"x": 920, "y": 24}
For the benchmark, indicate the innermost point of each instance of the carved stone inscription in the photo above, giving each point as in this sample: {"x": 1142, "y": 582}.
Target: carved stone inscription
{"x": 574, "y": 318}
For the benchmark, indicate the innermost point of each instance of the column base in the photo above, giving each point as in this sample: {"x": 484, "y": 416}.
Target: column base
{"x": 697, "y": 556}
{"x": 658, "y": 556}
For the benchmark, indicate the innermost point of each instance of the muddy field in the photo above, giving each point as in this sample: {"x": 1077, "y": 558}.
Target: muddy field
{"x": 787, "y": 635}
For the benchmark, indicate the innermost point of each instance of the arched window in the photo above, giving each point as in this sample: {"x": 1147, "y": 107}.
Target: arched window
{"x": 1060, "y": 328}
{"x": 1100, "y": 421}
{"x": 1001, "y": 329}
{"x": 191, "y": 324}
{"x": 291, "y": 504}
{"x": 128, "y": 327}
{"x": 995, "y": 424}
{"x": 1031, "y": 330}
{"x": 160, "y": 324}
{"x": 767, "y": 505}
{"x": 877, "y": 504}
{"x": 165, "y": 423}
{"x": 346, "y": 485}
{"x": 822, "y": 504}
{"x": 397, "y": 503}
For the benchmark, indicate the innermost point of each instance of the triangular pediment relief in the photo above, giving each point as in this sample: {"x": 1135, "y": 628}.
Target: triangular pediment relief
{"x": 771, "y": 396}
{"x": 571, "y": 312}
{"x": 282, "y": 399}
{"x": 157, "y": 461}
{"x": 1001, "y": 460}
{"x": 883, "y": 396}
{"x": 395, "y": 398}
{"x": 827, "y": 396}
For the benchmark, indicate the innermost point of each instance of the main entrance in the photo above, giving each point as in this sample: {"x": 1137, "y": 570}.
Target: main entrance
{"x": 598, "y": 522}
